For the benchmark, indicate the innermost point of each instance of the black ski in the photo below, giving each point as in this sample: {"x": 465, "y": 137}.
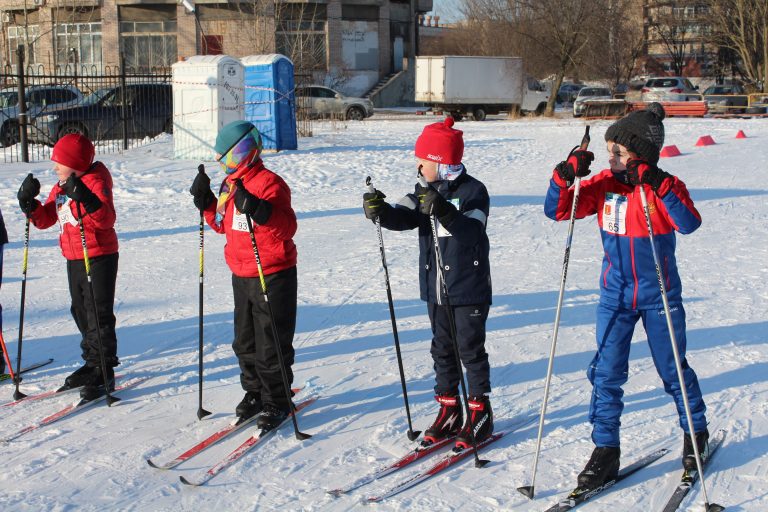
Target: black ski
{"x": 689, "y": 478}
{"x": 40, "y": 364}
{"x": 579, "y": 495}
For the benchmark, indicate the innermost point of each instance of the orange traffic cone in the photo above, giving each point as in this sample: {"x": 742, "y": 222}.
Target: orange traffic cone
{"x": 706, "y": 140}
{"x": 669, "y": 151}
{"x": 741, "y": 135}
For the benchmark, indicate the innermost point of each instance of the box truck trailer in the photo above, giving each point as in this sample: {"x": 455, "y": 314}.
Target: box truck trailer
{"x": 477, "y": 86}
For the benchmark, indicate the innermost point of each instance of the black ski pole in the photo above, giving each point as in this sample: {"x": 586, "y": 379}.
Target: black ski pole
{"x": 708, "y": 507}
{"x": 201, "y": 413}
{"x": 412, "y": 435}
{"x": 280, "y": 359}
{"x": 452, "y": 321}
{"x": 528, "y": 490}
{"x": 18, "y": 395}
{"x": 110, "y": 399}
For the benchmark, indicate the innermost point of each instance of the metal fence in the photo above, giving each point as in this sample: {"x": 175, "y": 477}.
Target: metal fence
{"x": 117, "y": 108}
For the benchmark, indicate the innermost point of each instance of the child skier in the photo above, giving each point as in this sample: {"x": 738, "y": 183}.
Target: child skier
{"x": 460, "y": 204}
{"x": 251, "y": 189}
{"x": 629, "y": 289}
{"x": 83, "y": 193}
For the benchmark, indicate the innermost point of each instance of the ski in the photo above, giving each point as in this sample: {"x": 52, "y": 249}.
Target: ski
{"x": 35, "y": 366}
{"x": 418, "y": 453}
{"x": 689, "y": 478}
{"x": 69, "y": 410}
{"x": 231, "y": 429}
{"x": 47, "y": 394}
{"x": 579, "y": 495}
{"x": 244, "y": 448}
{"x": 454, "y": 456}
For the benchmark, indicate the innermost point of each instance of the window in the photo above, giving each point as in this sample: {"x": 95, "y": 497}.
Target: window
{"x": 301, "y": 34}
{"x": 84, "y": 38}
{"x": 148, "y": 44}
{"x": 20, "y": 36}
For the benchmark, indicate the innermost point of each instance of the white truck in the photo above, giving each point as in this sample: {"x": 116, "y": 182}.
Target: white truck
{"x": 477, "y": 86}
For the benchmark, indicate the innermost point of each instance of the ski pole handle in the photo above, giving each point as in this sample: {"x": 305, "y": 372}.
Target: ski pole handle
{"x": 370, "y": 186}
{"x": 585, "y": 140}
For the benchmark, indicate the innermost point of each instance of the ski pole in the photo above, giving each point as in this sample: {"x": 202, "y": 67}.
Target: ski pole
{"x": 528, "y": 490}
{"x": 709, "y": 507}
{"x": 299, "y": 435}
{"x": 201, "y": 413}
{"x": 110, "y": 399}
{"x": 412, "y": 435}
{"x": 7, "y": 357}
{"x": 18, "y": 395}
{"x": 479, "y": 463}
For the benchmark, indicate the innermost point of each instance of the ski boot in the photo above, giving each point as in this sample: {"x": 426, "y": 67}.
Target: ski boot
{"x": 702, "y": 443}
{"x": 271, "y": 417}
{"x": 249, "y": 406}
{"x": 480, "y": 421}
{"x": 448, "y": 421}
{"x": 602, "y": 467}
{"x": 95, "y": 388}
{"x": 80, "y": 377}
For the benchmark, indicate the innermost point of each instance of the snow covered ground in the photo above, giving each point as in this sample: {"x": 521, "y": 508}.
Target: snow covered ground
{"x": 95, "y": 460}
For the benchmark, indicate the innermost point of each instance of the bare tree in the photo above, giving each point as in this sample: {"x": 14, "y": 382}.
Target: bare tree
{"x": 674, "y": 24}
{"x": 741, "y": 26}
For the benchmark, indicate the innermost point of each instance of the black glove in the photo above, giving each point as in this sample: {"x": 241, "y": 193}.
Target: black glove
{"x": 28, "y": 192}
{"x": 201, "y": 191}
{"x": 258, "y": 209}
{"x": 78, "y": 192}
{"x": 431, "y": 202}
{"x": 639, "y": 172}
{"x": 577, "y": 164}
{"x": 374, "y": 205}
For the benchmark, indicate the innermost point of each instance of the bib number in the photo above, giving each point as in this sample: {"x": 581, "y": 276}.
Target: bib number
{"x": 64, "y": 212}
{"x": 239, "y": 222}
{"x": 615, "y": 213}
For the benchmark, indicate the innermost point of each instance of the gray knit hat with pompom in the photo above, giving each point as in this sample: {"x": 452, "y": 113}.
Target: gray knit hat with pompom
{"x": 640, "y": 132}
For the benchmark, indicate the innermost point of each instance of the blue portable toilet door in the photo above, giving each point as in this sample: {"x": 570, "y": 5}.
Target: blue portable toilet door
{"x": 285, "y": 105}
{"x": 260, "y": 107}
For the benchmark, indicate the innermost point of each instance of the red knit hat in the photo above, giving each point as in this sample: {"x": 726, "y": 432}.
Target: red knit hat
{"x": 74, "y": 151}
{"x": 441, "y": 143}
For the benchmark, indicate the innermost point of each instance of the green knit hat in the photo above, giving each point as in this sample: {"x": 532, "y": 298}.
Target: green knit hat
{"x": 231, "y": 135}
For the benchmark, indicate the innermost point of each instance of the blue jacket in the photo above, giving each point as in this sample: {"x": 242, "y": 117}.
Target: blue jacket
{"x": 628, "y": 278}
{"x": 463, "y": 243}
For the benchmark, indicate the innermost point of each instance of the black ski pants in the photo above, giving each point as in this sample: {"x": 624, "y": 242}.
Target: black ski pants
{"x": 104, "y": 279}
{"x": 254, "y": 342}
{"x": 470, "y": 335}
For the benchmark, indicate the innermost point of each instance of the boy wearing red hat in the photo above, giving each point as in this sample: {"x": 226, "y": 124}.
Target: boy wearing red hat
{"x": 83, "y": 192}
{"x": 459, "y": 204}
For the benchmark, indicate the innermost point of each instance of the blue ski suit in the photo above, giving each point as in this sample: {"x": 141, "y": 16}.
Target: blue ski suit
{"x": 629, "y": 289}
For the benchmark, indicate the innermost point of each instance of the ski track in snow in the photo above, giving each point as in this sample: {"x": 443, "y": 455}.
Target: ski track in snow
{"x": 95, "y": 459}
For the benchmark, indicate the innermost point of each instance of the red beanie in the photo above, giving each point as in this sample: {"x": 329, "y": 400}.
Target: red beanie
{"x": 74, "y": 151}
{"x": 441, "y": 143}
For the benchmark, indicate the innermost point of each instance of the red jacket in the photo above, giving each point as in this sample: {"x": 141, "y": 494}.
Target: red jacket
{"x": 273, "y": 239}
{"x": 99, "y": 226}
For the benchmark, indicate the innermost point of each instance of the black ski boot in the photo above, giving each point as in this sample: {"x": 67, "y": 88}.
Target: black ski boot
{"x": 80, "y": 377}
{"x": 271, "y": 417}
{"x": 602, "y": 467}
{"x": 702, "y": 442}
{"x": 448, "y": 421}
{"x": 249, "y": 406}
{"x": 480, "y": 421}
{"x": 95, "y": 388}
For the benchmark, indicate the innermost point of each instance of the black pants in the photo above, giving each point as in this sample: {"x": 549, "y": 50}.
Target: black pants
{"x": 470, "y": 334}
{"x": 254, "y": 342}
{"x": 104, "y": 278}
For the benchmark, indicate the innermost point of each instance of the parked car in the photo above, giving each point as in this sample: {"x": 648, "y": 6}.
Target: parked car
{"x": 669, "y": 88}
{"x": 148, "y": 112}
{"x": 567, "y": 92}
{"x": 39, "y": 99}
{"x": 319, "y": 101}
{"x": 721, "y": 99}
{"x": 589, "y": 94}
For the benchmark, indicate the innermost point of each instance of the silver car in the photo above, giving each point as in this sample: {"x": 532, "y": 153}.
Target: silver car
{"x": 319, "y": 101}
{"x": 669, "y": 88}
{"x": 39, "y": 100}
{"x": 588, "y": 94}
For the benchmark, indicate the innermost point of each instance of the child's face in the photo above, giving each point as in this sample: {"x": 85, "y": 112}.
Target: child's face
{"x": 618, "y": 156}
{"x": 428, "y": 169}
{"x": 63, "y": 172}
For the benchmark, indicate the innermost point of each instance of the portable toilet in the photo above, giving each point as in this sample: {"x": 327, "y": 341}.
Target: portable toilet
{"x": 269, "y": 99}
{"x": 207, "y": 94}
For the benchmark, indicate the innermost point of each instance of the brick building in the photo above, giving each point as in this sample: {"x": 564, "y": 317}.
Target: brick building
{"x": 356, "y": 42}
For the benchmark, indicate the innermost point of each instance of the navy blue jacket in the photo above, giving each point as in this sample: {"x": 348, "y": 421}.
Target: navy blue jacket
{"x": 463, "y": 243}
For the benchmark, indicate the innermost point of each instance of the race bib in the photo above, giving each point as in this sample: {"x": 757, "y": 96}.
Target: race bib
{"x": 64, "y": 212}
{"x": 441, "y": 231}
{"x": 239, "y": 222}
{"x": 615, "y": 213}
